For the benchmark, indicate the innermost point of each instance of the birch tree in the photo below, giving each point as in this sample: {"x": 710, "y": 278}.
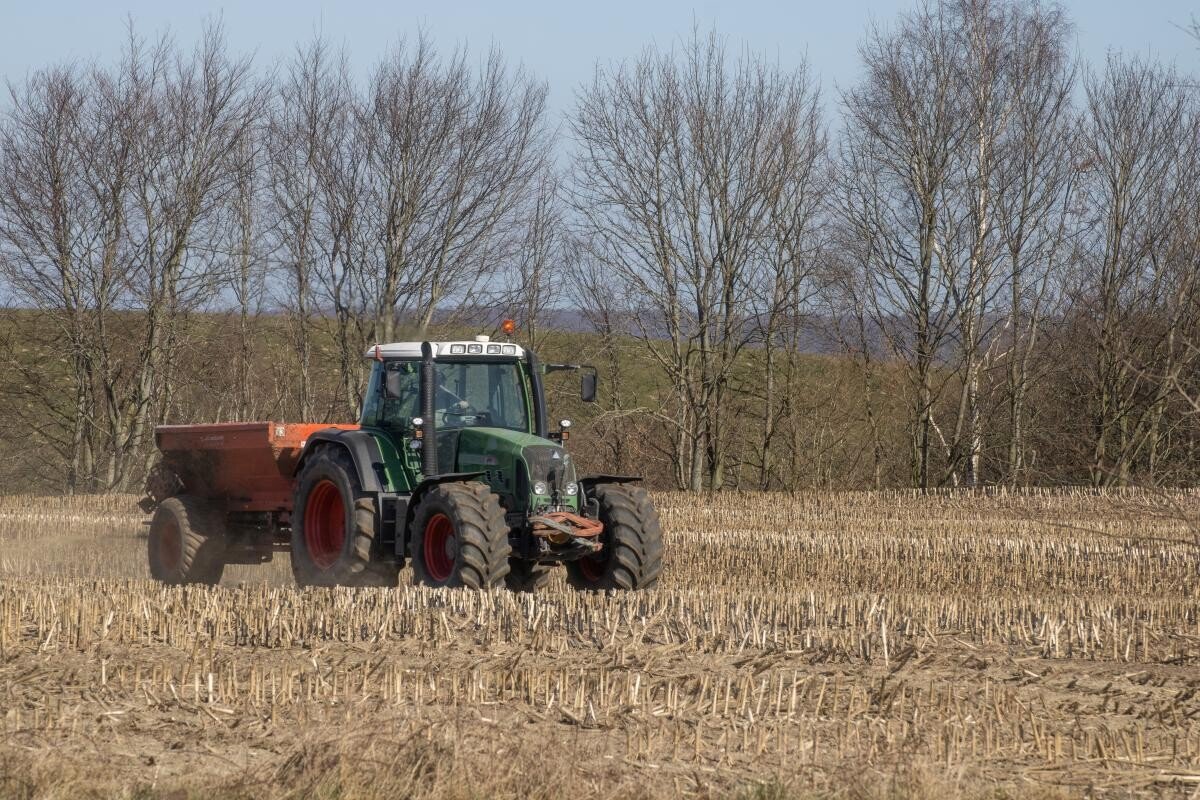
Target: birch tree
{"x": 905, "y": 124}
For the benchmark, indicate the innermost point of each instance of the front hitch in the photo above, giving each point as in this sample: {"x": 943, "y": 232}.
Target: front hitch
{"x": 564, "y": 527}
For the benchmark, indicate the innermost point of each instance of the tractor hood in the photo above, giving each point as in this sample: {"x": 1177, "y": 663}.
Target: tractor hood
{"x": 514, "y": 464}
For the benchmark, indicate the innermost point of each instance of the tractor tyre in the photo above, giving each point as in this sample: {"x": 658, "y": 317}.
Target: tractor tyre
{"x": 632, "y": 539}
{"x": 187, "y": 542}
{"x": 460, "y": 538}
{"x": 333, "y": 526}
{"x": 526, "y": 576}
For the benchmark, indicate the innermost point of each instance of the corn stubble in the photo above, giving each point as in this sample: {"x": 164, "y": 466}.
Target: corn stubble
{"x": 859, "y": 645}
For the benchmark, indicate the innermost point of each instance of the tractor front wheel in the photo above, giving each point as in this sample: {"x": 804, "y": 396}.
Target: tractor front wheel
{"x": 459, "y": 538}
{"x": 187, "y": 542}
{"x": 333, "y": 526}
{"x": 632, "y": 554}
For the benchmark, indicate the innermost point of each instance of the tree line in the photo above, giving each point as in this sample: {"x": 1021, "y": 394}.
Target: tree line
{"x": 975, "y": 265}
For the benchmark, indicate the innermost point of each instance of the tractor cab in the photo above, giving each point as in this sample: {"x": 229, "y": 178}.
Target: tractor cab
{"x": 473, "y": 408}
{"x": 476, "y": 384}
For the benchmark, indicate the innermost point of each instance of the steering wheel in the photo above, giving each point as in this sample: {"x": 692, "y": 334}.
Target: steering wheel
{"x": 462, "y": 409}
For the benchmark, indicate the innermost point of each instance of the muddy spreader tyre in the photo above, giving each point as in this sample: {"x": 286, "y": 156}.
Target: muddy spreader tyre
{"x": 459, "y": 538}
{"x": 333, "y": 526}
{"x": 526, "y": 576}
{"x": 187, "y": 542}
{"x": 632, "y": 554}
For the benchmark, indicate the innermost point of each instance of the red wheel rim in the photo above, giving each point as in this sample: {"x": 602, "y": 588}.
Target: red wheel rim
{"x": 441, "y": 547}
{"x": 324, "y": 524}
{"x": 592, "y": 567}
{"x": 170, "y": 546}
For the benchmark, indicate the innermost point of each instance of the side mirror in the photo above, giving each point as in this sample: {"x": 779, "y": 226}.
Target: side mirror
{"x": 587, "y": 387}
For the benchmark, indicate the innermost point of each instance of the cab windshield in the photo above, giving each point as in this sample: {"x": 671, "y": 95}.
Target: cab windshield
{"x": 476, "y": 394}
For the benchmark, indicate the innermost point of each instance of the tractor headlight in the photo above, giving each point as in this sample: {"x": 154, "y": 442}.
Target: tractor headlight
{"x": 539, "y": 487}
{"x": 572, "y": 489}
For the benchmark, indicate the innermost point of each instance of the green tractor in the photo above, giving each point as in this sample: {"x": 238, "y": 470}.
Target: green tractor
{"x": 451, "y": 469}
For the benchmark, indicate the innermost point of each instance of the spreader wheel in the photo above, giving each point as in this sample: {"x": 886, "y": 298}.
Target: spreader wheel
{"x": 333, "y": 526}
{"x": 632, "y": 554}
{"x": 187, "y": 542}
{"x": 459, "y": 538}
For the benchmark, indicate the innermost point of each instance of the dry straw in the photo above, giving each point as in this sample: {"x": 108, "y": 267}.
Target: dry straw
{"x": 1048, "y": 635}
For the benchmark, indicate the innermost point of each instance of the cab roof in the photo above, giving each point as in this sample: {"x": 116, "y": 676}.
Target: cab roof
{"x": 479, "y": 346}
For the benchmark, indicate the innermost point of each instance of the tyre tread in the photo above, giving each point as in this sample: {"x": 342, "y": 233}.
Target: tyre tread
{"x": 362, "y": 569}
{"x": 202, "y": 530}
{"x": 634, "y": 533}
{"x": 481, "y": 530}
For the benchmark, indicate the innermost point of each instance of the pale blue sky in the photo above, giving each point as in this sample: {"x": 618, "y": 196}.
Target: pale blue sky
{"x": 559, "y": 41}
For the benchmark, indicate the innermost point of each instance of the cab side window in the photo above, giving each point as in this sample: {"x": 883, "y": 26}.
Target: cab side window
{"x": 507, "y": 397}
{"x": 401, "y": 393}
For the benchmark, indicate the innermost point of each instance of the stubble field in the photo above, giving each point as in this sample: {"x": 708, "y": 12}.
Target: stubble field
{"x": 820, "y": 645}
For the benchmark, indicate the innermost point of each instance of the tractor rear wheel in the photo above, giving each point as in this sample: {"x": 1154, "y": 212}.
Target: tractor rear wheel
{"x": 632, "y": 539}
{"x": 459, "y": 538}
{"x": 187, "y": 542}
{"x": 333, "y": 526}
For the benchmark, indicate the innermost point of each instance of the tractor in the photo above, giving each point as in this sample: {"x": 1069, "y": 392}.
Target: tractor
{"x": 450, "y": 470}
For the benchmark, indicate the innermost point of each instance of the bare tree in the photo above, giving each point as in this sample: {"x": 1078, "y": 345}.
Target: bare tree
{"x": 247, "y": 270}
{"x": 115, "y": 177}
{"x": 1036, "y": 178}
{"x": 968, "y": 246}
{"x": 198, "y": 110}
{"x": 452, "y": 158}
{"x": 403, "y": 196}
{"x": 791, "y": 251}
{"x": 905, "y": 125}
{"x": 537, "y": 264}
{"x": 309, "y": 103}
{"x": 1015, "y": 78}
{"x": 47, "y": 223}
{"x": 952, "y": 168}
{"x": 682, "y": 158}
{"x": 1138, "y": 147}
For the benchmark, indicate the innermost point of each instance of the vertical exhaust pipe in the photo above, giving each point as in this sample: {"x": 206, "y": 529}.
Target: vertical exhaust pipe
{"x": 539, "y": 394}
{"x": 429, "y": 459}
